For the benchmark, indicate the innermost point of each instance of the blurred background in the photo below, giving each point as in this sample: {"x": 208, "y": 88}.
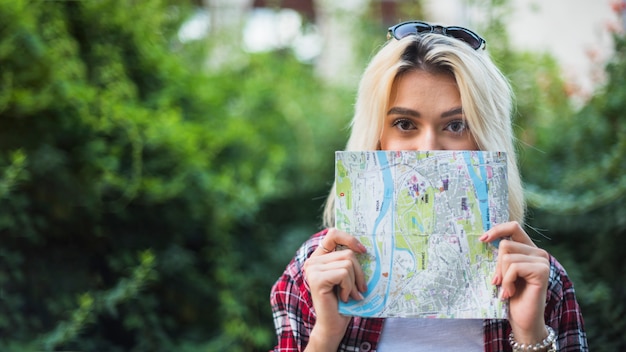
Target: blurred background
{"x": 162, "y": 160}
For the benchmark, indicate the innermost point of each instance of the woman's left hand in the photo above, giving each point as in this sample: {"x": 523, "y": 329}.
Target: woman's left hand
{"x": 522, "y": 271}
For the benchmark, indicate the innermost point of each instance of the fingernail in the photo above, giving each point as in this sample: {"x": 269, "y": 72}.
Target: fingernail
{"x": 504, "y": 295}
{"x": 494, "y": 280}
{"x": 362, "y": 248}
{"x": 483, "y": 237}
{"x": 360, "y": 296}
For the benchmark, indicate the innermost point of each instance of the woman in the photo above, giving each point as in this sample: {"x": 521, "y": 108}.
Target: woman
{"x": 429, "y": 88}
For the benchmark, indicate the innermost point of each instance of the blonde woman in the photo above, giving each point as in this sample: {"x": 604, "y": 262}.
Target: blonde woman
{"x": 429, "y": 88}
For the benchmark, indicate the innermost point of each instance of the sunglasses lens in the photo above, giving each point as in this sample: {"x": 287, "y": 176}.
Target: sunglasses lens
{"x": 402, "y": 30}
{"x": 415, "y": 27}
{"x": 463, "y": 34}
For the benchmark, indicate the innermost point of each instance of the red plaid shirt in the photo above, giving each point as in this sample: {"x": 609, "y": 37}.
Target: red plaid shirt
{"x": 294, "y": 315}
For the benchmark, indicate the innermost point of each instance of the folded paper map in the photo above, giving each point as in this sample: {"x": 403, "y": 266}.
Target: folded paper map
{"x": 420, "y": 214}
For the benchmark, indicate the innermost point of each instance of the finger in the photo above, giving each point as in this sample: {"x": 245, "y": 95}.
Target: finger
{"x": 348, "y": 288}
{"x": 341, "y": 259}
{"x": 323, "y": 274}
{"x": 508, "y": 230}
{"x": 346, "y": 284}
{"x": 510, "y": 261}
{"x": 533, "y": 273}
{"x": 326, "y": 281}
{"x": 336, "y": 238}
{"x": 507, "y": 260}
{"x": 360, "y": 279}
{"x": 342, "y": 273}
{"x": 508, "y": 247}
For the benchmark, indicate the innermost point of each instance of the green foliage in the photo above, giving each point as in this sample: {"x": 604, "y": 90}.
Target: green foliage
{"x": 13, "y": 173}
{"x": 573, "y": 163}
{"x": 148, "y": 205}
{"x": 115, "y": 144}
{"x": 89, "y": 306}
{"x": 581, "y": 198}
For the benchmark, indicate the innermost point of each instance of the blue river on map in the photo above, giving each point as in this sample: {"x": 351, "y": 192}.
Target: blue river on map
{"x": 480, "y": 185}
{"x": 373, "y": 308}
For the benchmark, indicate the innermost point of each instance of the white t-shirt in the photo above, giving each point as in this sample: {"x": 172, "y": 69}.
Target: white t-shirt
{"x": 441, "y": 335}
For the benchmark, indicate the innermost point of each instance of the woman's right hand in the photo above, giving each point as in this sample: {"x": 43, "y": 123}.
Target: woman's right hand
{"x": 332, "y": 274}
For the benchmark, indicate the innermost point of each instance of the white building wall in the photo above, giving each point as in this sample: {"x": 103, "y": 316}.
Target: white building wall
{"x": 575, "y": 32}
{"x": 337, "y": 21}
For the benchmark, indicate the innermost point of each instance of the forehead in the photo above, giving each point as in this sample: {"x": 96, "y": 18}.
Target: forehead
{"x": 420, "y": 85}
{"x": 442, "y": 76}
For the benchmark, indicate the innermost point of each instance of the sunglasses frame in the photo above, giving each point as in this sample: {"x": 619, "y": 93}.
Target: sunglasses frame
{"x": 420, "y": 27}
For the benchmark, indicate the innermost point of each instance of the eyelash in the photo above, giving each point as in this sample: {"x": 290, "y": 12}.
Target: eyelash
{"x": 397, "y": 122}
{"x": 465, "y": 126}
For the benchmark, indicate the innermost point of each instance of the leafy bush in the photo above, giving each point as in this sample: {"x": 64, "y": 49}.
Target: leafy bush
{"x": 134, "y": 181}
{"x": 579, "y": 194}
{"x": 146, "y": 204}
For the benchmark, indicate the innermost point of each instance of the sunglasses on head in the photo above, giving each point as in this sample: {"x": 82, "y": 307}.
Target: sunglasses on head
{"x": 403, "y": 29}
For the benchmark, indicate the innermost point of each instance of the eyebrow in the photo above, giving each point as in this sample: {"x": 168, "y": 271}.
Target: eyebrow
{"x": 453, "y": 112}
{"x": 403, "y": 111}
{"x": 413, "y": 113}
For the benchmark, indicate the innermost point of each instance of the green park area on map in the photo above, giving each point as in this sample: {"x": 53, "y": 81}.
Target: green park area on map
{"x": 420, "y": 215}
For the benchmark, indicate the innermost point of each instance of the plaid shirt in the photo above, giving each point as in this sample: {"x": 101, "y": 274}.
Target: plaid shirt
{"x": 294, "y": 315}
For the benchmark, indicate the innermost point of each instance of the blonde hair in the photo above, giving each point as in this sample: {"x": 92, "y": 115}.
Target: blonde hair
{"x": 486, "y": 97}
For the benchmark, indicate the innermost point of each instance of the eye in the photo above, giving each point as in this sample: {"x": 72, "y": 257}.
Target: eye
{"x": 404, "y": 124}
{"x": 457, "y": 126}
